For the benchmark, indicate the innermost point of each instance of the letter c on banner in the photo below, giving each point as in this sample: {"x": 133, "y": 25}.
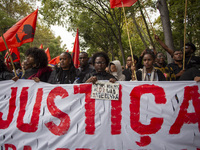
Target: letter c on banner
{"x": 155, "y": 123}
{"x": 64, "y": 125}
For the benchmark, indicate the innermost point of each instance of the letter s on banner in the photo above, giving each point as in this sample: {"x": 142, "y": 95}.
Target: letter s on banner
{"x": 64, "y": 125}
{"x": 155, "y": 123}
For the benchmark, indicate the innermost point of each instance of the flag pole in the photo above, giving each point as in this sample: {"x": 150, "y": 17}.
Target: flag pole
{"x": 134, "y": 73}
{"x": 184, "y": 34}
{"x": 9, "y": 55}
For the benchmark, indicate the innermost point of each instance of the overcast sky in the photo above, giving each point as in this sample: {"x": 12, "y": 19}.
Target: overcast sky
{"x": 67, "y": 37}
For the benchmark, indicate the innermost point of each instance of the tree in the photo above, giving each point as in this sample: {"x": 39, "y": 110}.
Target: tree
{"x": 162, "y": 6}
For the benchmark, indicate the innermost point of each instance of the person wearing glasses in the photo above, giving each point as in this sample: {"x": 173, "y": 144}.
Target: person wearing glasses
{"x": 100, "y": 61}
{"x": 84, "y": 68}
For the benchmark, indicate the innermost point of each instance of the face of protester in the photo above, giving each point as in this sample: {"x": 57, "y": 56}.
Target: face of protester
{"x": 178, "y": 56}
{"x": 83, "y": 58}
{"x": 113, "y": 68}
{"x": 64, "y": 61}
{"x": 160, "y": 58}
{"x": 100, "y": 64}
{"x": 129, "y": 61}
{"x": 30, "y": 61}
{"x": 188, "y": 50}
{"x": 25, "y": 66}
{"x": 148, "y": 62}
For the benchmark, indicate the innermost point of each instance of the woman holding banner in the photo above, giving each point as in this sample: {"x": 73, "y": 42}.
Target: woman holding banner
{"x": 37, "y": 60}
{"x": 100, "y": 61}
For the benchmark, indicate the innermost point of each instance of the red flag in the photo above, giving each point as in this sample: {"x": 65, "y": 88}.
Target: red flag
{"x": 41, "y": 46}
{"x": 48, "y": 54}
{"x": 118, "y": 3}
{"x": 76, "y": 51}
{"x": 20, "y": 33}
{"x": 14, "y": 52}
{"x": 55, "y": 60}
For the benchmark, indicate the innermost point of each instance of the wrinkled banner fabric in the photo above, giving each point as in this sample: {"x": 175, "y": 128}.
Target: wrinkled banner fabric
{"x": 147, "y": 116}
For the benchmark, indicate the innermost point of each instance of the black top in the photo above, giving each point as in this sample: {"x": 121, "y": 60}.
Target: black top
{"x": 100, "y": 76}
{"x": 190, "y": 74}
{"x": 29, "y": 72}
{"x": 161, "y": 77}
{"x": 81, "y": 72}
{"x": 175, "y": 67}
{"x": 192, "y": 61}
{"x": 60, "y": 76}
{"x": 128, "y": 73}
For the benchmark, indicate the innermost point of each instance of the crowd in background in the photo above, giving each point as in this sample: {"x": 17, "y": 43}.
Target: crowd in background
{"x": 150, "y": 66}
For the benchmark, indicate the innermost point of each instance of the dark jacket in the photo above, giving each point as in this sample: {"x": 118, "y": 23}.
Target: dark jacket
{"x": 5, "y": 75}
{"x": 100, "y": 76}
{"x": 190, "y": 74}
{"x": 60, "y": 76}
{"x": 128, "y": 73}
{"x": 81, "y": 72}
{"x": 42, "y": 73}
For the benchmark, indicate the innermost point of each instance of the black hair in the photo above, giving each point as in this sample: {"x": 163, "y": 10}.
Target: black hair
{"x": 39, "y": 56}
{"x": 3, "y": 66}
{"x": 17, "y": 65}
{"x": 70, "y": 57}
{"x": 100, "y": 54}
{"x": 159, "y": 53}
{"x": 84, "y": 53}
{"x": 134, "y": 57}
{"x": 150, "y": 52}
{"x": 192, "y": 46}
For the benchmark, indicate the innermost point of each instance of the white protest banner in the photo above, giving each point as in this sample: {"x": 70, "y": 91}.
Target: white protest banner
{"x": 147, "y": 116}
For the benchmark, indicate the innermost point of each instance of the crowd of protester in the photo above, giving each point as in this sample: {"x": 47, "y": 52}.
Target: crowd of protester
{"x": 150, "y": 66}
